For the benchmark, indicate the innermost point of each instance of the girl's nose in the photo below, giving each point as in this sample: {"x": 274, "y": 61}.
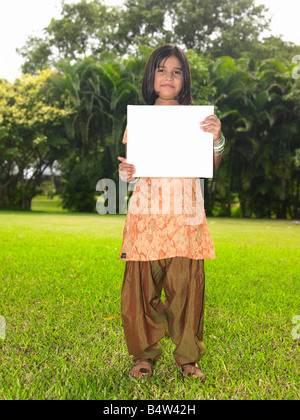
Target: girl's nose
{"x": 169, "y": 76}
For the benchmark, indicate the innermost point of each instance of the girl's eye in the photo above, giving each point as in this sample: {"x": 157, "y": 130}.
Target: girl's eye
{"x": 176, "y": 72}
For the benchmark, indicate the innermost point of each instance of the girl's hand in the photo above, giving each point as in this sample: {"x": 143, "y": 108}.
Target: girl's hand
{"x": 212, "y": 124}
{"x": 128, "y": 168}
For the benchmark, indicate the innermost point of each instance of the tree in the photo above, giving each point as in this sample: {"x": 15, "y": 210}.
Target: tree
{"x": 275, "y": 169}
{"x": 259, "y": 110}
{"x": 98, "y": 95}
{"x": 234, "y": 84}
{"x": 240, "y": 23}
{"x": 37, "y": 55}
{"x": 142, "y": 22}
{"x": 256, "y": 97}
{"x": 85, "y": 28}
{"x": 91, "y": 28}
{"x": 31, "y": 138}
{"x": 214, "y": 26}
{"x": 273, "y": 47}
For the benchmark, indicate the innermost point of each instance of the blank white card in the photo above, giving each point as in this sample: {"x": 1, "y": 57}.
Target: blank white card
{"x": 166, "y": 141}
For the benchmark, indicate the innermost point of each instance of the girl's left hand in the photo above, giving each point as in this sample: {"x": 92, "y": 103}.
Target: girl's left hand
{"x": 212, "y": 124}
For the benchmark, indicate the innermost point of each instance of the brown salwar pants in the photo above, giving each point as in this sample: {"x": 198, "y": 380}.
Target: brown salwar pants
{"x": 145, "y": 317}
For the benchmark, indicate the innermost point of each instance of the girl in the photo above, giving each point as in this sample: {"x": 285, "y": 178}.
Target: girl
{"x": 161, "y": 250}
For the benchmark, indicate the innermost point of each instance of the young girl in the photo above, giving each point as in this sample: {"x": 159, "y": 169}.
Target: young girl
{"x": 162, "y": 250}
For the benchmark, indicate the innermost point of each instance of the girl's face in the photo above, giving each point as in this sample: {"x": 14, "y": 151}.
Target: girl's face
{"x": 168, "y": 81}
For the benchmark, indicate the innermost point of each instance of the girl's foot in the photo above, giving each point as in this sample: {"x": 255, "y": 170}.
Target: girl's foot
{"x": 142, "y": 368}
{"x": 192, "y": 370}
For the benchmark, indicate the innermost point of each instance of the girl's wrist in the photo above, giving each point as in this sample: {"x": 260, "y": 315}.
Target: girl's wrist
{"x": 219, "y": 145}
{"x": 134, "y": 181}
{"x": 219, "y": 139}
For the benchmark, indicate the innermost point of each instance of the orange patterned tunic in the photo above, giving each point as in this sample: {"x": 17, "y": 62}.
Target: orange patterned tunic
{"x": 166, "y": 218}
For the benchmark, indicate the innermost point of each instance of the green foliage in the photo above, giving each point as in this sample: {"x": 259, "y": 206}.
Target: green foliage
{"x": 47, "y": 189}
{"x": 261, "y": 124}
{"x": 31, "y": 138}
{"x": 97, "y": 96}
{"x": 203, "y": 91}
{"x": 85, "y": 28}
{"x": 91, "y": 28}
{"x": 79, "y": 187}
{"x": 37, "y": 55}
{"x": 79, "y": 116}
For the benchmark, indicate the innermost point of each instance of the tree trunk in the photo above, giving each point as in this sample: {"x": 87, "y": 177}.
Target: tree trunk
{"x": 26, "y": 203}
{"x": 52, "y": 184}
{"x": 209, "y": 193}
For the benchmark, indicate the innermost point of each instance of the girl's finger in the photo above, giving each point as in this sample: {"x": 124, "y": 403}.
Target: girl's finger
{"x": 206, "y": 122}
{"x": 126, "y": 175}
{"x": 127, "y": 172}
{"x": 128, "y": 167}
{"x": 211, "y": 117}
{"x": 209, "y": 125}
{"x": 210, "y": 128}
{"x": 124, "y": 165}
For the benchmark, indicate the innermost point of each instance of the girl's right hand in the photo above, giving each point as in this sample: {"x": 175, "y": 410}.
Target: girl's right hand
{"x": 128, "y": 168}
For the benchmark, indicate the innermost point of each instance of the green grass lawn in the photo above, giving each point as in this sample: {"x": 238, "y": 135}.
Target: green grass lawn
{"x": 43, "y": 203}
{"x": 60, "y": 286}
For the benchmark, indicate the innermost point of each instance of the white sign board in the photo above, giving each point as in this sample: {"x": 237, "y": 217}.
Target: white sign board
{"x": 166, "y": 141}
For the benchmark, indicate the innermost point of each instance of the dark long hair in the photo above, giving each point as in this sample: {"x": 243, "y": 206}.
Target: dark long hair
{"x": 162, "y": 53}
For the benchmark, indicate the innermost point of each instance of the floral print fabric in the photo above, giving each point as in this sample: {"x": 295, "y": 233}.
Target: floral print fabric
{"x": 166, "y": 218}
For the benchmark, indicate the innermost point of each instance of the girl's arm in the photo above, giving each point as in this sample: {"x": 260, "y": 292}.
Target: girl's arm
{"x": 126, "y": 170}
{"x": 212, "y": 124}
{"x": 217, "y": 161}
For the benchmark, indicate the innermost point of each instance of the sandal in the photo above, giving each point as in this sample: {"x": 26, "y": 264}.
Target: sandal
{"x": 142, "y": 368}
{"x": 192, "y": 370}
